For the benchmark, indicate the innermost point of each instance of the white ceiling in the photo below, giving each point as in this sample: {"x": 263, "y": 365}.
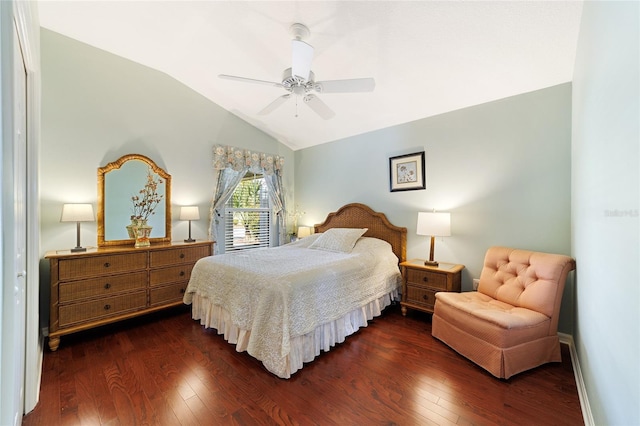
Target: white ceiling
{"x": 427, "y": 57}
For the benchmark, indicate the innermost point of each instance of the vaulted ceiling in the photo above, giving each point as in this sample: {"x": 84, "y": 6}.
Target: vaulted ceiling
{"x": 427, "y": 57}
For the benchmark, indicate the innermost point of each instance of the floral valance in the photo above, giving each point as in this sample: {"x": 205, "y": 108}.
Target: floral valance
{"x": 239, "y": 159}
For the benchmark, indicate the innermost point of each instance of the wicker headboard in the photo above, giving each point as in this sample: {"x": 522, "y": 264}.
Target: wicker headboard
{"x": 358, "y": 215}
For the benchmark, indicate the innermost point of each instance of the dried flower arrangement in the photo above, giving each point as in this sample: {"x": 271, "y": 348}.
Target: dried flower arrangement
{"x": 145, "y": 203}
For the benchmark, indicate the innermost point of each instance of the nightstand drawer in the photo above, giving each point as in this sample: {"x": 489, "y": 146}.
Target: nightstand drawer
{"x": 96, "y": 309}
{"x": 70, "y": 269}
{"x": 102, "y": 286}
{"x": 421, "y": 296}
{"x": 427, "y": 278}
{"x": 421, "y": 283}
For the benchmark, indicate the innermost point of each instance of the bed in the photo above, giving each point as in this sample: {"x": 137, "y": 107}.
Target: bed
{"x": 284, "y": 305}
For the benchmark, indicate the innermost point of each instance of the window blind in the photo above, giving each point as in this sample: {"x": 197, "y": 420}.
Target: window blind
{"x": 248, "y": 216}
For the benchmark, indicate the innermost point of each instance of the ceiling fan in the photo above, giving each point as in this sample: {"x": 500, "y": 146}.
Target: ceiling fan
{"x": 299, "y": 80}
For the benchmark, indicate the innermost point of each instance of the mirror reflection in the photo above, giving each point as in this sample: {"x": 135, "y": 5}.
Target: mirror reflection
{"x": 122, "y": 181}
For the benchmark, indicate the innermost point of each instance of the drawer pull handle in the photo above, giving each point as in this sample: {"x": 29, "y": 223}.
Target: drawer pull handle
{"x": 107, "y": 264}
{"x": 181, "y": 255}
{"x": 182, "y": 273}
{"x": 107, "y": 286}
{"x": 107, "y": 307}
{"x": 425, "y": 279}
{"x": 424, "y": 296}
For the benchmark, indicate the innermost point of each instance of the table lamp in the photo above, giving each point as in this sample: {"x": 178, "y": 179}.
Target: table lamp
{"x": 304, "y": 231}
{"x": 435, "y": 225}
{"x": 77, "y": 213}
{"x": 189, "y": 213}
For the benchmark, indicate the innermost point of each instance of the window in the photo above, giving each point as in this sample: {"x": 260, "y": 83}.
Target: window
{"x": 248, "y": 215}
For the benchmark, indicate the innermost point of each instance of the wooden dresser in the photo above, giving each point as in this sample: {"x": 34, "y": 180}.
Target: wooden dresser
{"x": 421, "y": 283}
{"x": 110, "y": 284}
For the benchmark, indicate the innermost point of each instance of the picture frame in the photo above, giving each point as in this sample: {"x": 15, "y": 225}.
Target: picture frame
{"x": 407, "y": 172}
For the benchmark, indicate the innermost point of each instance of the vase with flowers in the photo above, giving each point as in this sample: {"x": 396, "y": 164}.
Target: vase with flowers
{"x": 144, "y": 205}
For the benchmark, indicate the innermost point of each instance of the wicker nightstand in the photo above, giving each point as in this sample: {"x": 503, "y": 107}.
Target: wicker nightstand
{"x": 421, "y": 283}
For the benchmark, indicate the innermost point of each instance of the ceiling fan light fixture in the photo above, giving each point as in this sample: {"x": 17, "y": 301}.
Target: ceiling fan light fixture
{"x": 289, "y": 81}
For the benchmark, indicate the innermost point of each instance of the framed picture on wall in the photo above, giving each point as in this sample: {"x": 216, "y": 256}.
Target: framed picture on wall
{"x": 406, "y": 172}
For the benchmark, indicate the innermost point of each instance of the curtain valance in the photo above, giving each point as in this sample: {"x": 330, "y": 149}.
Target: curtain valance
{"x": 239, "y": 159}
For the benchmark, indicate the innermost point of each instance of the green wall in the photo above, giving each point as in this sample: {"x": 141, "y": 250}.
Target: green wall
{"x": 97, "y": 106}
{"x": 605, "y": 195}
{"x": 503, "y": 170}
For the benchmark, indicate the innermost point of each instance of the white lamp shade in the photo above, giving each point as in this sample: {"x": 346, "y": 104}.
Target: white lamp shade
{"x": 434, "y": 224}
{"x": 77, "y": 213}
{"x": 189, "y": 213}
{"x": 304, "y": 231}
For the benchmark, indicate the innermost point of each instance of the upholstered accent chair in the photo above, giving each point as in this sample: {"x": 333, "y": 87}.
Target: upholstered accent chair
{"x": 510, "y": 324}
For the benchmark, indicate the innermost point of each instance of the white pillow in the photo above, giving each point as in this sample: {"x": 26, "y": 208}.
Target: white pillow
{"x": 338, "y": 239}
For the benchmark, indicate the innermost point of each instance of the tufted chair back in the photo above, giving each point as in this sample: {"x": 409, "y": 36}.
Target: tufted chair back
{"x": 526, "y": 279}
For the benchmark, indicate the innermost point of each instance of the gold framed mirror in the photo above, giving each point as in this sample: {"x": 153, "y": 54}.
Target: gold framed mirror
{"x": 118, "y": 182}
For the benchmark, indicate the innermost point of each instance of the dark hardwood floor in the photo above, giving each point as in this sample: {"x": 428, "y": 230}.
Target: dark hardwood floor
{"x": 166, "y": 369}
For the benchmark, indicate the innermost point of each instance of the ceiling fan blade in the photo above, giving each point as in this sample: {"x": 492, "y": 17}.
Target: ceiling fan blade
{"x": 249, "y": 80}
{"x": 319, "y": 107}
{"x": 346, "y": 86}
{"x": 301, "y": 57}
{"x": 275, "y": 104}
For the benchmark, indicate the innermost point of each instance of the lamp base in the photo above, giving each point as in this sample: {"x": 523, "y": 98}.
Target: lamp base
{"x": 430, "y": 263}
{"x": 78, "y": 249}
{"x": 190, "y": 240}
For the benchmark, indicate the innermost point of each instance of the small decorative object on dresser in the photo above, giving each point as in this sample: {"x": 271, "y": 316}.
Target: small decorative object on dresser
{"x": 115, "y": 283}
{"x": 141, "y": 232}
{"x": 422, "y": 282}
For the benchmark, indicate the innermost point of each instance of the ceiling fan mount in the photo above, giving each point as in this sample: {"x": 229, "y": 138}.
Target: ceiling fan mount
{"x": 300, "y": 80}
{"x": 299, "y": 31}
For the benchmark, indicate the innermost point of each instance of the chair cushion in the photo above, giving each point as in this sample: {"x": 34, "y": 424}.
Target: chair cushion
{"x": 523, "y": 278}
{"x": 496, "y": 322}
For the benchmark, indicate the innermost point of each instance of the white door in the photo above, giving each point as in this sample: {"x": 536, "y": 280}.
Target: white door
{"x": 14, "y": 291}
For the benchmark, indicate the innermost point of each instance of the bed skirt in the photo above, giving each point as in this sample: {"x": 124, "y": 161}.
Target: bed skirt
{"x": 304, "y": 348}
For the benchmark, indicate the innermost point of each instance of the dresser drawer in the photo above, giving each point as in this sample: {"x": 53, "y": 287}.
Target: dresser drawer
{"x": 70, "y": 269}
{"x": 427, "y": 278}
{"x": 178, "y": 255}
{"x": 167, "y": 294}
{"x": 102, "y": 286}
{"x": 101, "y": 308}
{"x": 170, "y": 275}
{"x": 421, "y": 296}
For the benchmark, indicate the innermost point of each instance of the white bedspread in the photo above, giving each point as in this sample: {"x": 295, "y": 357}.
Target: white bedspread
{"x": 284, "y": 292}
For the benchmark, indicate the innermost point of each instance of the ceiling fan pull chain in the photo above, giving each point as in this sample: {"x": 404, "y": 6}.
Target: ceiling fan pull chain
{"x": 296, "y": 106}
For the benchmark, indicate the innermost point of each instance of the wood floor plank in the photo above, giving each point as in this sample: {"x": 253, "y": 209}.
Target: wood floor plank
{"x": 166, "y": 369}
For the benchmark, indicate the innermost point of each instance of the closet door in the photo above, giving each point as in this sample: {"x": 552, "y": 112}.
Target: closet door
{"x": 15, "y": 240}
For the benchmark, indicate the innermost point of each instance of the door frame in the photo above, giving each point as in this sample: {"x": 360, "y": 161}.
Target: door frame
{"x": 25, "y": 18}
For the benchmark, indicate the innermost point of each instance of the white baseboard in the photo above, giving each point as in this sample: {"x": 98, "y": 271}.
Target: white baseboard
{"x": 577, "y": 372}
